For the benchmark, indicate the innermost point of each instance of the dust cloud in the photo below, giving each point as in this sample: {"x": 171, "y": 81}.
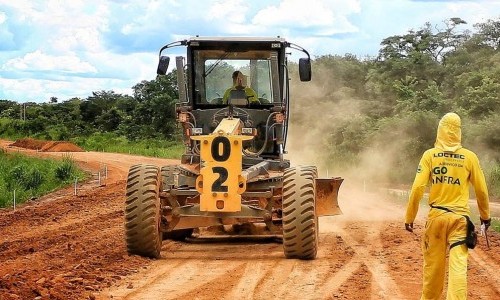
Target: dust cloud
{"x": 317, "y": 113}
{"x": 313, "y": 115}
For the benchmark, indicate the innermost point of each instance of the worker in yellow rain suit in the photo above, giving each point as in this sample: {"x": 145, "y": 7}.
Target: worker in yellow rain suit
{"x": 449, "y": 168}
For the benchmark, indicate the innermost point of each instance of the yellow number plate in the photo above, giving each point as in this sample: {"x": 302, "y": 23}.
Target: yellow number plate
{"x": 220, "y": 183}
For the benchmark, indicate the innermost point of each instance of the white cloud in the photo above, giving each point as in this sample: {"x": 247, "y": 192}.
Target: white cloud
{"x": 475, "y": 12}
{"x": 39, "y": 61}
{"x": 40, "y": 90}
{"x": 329, "y": 17}
{"x": 131, "y": 67}
{"x": 228, "y": 11}
{"x": 142, "y": 22}
{"x": 116, "y": 72}
{"x": 62, "y": 27}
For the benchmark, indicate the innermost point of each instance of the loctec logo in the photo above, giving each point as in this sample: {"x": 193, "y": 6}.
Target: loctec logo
{"x": 450, "y": 155}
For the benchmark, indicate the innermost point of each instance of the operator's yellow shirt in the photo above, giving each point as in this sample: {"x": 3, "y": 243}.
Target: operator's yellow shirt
{"x": 250, "y": 93}
{"x": 449, "y": 169}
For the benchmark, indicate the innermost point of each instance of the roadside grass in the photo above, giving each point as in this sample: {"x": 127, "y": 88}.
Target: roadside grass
{"x": 492, "y": 175}
{"x": 109, "y": 142}
{"x": 31, "y": 177}
{"x": 495, "y": 224}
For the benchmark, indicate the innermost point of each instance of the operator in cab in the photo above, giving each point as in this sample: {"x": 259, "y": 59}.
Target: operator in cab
{"x": 240, "y": 90}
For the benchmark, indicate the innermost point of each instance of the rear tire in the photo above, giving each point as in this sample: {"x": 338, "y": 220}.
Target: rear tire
{"x": 300, "y": 223}
{"x": 142, "y": 211}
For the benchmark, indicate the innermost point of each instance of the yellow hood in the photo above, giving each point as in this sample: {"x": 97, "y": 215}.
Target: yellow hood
{"x": 449, "y": 133}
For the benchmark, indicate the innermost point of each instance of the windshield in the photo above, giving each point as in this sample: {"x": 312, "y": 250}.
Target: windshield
{"x": 216, "y": 76}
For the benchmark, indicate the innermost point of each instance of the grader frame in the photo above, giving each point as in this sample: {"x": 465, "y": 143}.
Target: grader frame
{"x": 233, "y": 171}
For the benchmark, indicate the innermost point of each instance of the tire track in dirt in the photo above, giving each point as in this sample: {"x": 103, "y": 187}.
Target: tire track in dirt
{"x": 217, "y": 286}
{"x": 333, "y": 284}
{"x": 365, "y": 242}
{"x": 182, "y": 276}
{"x": 486, "y": 269}
{"x": 259, "y": 271}
{"x": 339, "y": 272}
{"x": 313, "y": 277}
{"x": 246, "y": 286}
{"x": 302, "y": 278}
{"x": 183, "y": 280}
{"x": 242, "y": 261}
{"x": 272, "y": 278}
{"x": 264, "y": 280}
{"x": 402, "y": 252}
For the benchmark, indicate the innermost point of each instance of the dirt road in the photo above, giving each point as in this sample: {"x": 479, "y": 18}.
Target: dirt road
{"x": 72, "y": 247}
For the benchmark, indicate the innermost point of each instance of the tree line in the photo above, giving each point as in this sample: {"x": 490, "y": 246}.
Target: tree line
{"x": 379, "y": 111}
{"x": 148, "y": 113}
{"x": 382, "y": 112}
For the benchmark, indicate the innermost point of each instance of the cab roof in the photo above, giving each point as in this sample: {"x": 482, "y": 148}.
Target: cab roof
{"x": 237, "y": 39}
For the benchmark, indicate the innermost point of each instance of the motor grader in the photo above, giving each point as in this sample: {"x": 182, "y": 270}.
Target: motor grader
{"x": 233, "y": 172}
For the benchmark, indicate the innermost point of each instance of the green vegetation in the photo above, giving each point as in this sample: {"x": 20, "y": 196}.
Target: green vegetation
{"x": 110, "y": 142}
{"x": 383, "y": 111}
{"x": 148, "y": 114}
{"x": 32, "y": 177}
{"x": 370, "y": 117}
{"x": 495, "y": 224}
{"x": 142, "y": 124}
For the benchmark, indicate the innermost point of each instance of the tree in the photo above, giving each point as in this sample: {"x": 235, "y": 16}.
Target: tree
{"x": 481, "y": 96}
{"x": 416, "y": 45}
{"x": 155, "y": 110}
{"x": 489, "y": 33}
{"x": 109, "y": 120}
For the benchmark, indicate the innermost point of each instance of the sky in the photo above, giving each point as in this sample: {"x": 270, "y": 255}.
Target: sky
{"x": 67, "y": 49}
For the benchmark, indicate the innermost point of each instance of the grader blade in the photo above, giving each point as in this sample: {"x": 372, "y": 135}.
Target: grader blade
{"x": 327, "y": 190}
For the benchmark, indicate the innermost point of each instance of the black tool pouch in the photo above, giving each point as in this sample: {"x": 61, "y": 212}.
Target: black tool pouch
{"x": 471, "y": 237}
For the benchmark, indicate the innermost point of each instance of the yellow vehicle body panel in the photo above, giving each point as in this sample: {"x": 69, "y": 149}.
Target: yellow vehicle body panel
{"x": 220, "y": 183}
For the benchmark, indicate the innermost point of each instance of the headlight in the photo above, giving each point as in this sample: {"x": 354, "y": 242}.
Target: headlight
{"x": 196, "y": 131}
{"x": 249, "y": 131}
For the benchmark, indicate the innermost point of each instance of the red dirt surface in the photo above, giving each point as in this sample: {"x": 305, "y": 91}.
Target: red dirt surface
{"x": 72, "y": 247}
{"x": 29, "y": 143}
{"x": 58, "y": 146}
{"x": 46, "y": 146}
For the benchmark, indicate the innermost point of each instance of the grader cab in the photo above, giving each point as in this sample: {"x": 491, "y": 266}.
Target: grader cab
{"x": 233, "y": 171}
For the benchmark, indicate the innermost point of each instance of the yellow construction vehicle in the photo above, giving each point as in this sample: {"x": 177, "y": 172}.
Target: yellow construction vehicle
{"x": 233, "y": 171}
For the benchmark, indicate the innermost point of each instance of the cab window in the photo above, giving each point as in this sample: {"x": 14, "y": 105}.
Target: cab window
{"x": 214, "y": 70}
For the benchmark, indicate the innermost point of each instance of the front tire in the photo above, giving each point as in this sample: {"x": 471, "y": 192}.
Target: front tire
{"x": 300, "y": 222}
{"x": 142, "y": 211}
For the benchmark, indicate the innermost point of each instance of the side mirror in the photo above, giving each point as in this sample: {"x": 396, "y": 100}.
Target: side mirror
{"x": 305, "y": 69}
{"x": 163, "y": 65}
